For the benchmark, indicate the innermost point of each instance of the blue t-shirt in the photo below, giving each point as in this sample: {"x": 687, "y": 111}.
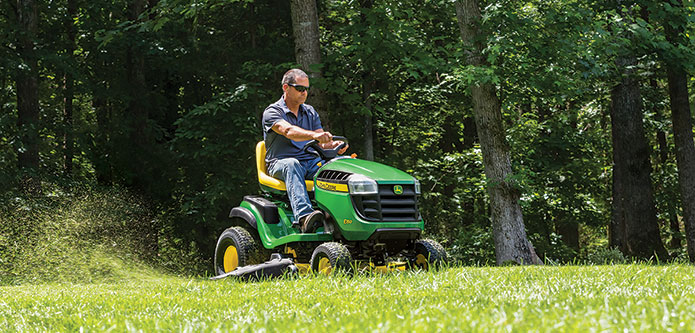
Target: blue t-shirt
{"x": 278, "y": 146}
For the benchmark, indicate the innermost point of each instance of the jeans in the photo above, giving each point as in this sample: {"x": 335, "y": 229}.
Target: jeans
{"x": 293, "y": 173}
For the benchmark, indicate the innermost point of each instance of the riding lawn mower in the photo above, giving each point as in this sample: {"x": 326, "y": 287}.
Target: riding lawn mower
{"x": 371, "y": 220}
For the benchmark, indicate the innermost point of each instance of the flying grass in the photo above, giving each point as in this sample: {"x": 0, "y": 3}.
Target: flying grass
{"x": 569, "y": 298}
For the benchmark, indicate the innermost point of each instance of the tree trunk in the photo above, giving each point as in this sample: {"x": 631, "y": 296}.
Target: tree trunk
{"x": 68, "y": 92}
{"x": 570, "y": 230}
{"x": 511, "y": 242}
{"x": 634, "y": 228}
{"x": 368, "y": 146}
{"x": 67, "y": 124}
{"x": 368, "y": 87}
{"x": 368, "y": 130}
{"x": 683, "y": 134}
{"x": 470, "y": 133}
{"x": 307, "y": 50}
{"x": 27, "y": 80}
{"x": 136, "y": 77}
{"x": 101, "y": 148}
{"x": 253, "y": 31}
{"x": 137, "y": 107}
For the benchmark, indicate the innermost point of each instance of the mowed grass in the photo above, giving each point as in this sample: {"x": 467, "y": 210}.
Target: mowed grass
{"x": 566, "y": 298}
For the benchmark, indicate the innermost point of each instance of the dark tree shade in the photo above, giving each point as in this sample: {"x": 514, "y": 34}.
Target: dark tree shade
{"x": 28, "y": 85}
{"x": 138, "y": 108}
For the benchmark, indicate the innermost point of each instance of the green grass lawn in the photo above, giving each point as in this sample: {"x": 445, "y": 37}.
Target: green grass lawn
{"x": 632, "y": 297}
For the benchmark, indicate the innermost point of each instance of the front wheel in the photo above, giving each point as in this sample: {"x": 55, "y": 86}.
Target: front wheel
{"x": 235, "y": 248}
{"x": 428, "y": 254}
{"x": 329, "y": 257}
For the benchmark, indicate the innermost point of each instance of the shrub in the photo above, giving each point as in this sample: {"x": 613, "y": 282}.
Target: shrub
{"x": 473, "y": 246}
{"x": 606, "y": 256}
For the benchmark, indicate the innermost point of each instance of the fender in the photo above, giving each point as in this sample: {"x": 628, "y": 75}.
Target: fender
{"x": 245, "y": 215}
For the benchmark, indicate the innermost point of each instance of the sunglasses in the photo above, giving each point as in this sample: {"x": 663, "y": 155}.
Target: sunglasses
{"x": 299, "y": 87}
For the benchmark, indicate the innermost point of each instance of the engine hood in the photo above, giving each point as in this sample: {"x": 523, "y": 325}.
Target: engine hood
{"x": 380, "y": 172}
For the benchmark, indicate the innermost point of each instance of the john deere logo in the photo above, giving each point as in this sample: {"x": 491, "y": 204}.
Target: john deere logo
{"x": 398, "y": 189}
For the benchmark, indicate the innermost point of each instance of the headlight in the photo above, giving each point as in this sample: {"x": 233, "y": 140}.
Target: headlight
{"x": 358, "y": 184}
{"x": 417, "y": 187}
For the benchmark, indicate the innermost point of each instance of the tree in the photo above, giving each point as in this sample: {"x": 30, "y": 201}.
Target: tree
{"x": 307, "y": 48}
{"x": 634, "y": 228}
{"x": 68, "y": 89}
{"x": 511, "y": 243}
{"x": 368, "y": 87}
{"x": 681, "y": 120}
{"x": 137, "y": 105}
{"x": 27, "y": 80}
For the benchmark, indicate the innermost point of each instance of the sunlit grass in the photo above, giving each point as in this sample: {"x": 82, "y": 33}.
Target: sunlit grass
{"x": 71, "y": 262}
{"x": 632, "y": 297}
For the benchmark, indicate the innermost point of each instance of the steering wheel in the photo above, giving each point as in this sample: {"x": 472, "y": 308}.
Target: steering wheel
{"x": 325, "y": 154}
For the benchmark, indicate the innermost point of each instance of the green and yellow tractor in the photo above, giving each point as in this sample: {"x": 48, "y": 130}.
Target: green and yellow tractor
{"x": 372, "y": 220}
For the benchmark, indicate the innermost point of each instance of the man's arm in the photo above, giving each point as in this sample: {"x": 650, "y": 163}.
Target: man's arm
{"x": 297, "y": 133}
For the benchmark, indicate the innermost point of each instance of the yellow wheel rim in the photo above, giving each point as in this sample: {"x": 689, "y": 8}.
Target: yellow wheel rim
{"x": 231, "y": 259}
{"x": 325, "y": 266}
{"x": 421, "y": 261}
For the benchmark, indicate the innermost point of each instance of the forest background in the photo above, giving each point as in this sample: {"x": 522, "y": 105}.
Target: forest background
{"x": 152, "y": 108}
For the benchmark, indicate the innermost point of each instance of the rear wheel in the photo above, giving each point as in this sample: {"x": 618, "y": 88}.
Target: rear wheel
{"x": 235, "y": 248}
{"x": 329, "y": 257}
{"x": 428, "y": 254}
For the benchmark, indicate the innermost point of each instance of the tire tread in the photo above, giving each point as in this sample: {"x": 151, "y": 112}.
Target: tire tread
{"x": 247, "y": 247}
{"x": 434, "y": 251}
{"x": 337, "y": 254}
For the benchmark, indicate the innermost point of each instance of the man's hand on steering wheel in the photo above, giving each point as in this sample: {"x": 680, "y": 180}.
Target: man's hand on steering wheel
{"x": 335, "y": 144}
{"x": 323, "y": 137}
{"x": 328, "y": 150}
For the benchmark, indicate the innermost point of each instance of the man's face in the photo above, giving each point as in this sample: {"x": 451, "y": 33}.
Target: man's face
{"x": 293, "y": 95}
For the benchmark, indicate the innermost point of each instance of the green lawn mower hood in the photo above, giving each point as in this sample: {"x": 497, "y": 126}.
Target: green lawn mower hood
{"x": 368, "y": 199}
{"x": 379, "y": 172}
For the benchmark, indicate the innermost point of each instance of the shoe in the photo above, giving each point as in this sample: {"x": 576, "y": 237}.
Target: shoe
{"x": 312, "y": 221}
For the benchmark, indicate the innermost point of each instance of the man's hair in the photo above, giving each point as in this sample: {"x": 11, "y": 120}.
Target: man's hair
{"x": 292, "y": 75}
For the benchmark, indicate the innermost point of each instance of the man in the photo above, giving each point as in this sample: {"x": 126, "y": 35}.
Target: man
{"x": 288, "y": 125}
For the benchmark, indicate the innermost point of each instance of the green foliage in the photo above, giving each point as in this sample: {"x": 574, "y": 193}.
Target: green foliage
{"x": 547, "y": 299}
{"x": 474, "y": 246}
{"x": 376, "y": 51}
{"x": 476, "y": 75}
{"x": 185, "y": 141}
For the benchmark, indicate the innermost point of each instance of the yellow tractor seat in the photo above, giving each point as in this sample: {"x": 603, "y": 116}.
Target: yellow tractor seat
{"x": 266, "y": 180}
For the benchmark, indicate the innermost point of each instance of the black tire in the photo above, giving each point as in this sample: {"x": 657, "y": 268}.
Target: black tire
{"x": 236, "y": 248}
{"x": 428, "y": 254}
{"x": 330, "y": 257}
